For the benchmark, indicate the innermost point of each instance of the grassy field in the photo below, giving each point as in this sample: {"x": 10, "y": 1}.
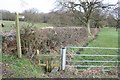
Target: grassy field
{"x": 108, "y": 37}
{"x": 10, "y": 25}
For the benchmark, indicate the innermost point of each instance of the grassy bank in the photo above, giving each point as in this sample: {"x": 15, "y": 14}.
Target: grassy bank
{"x": 19, "y": 68}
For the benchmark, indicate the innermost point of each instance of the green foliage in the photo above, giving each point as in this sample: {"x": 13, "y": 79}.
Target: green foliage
{"x": 21, "y": 68}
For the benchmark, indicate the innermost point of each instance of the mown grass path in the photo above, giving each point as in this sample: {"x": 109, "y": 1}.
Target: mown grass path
{"x": 108, "y": 37}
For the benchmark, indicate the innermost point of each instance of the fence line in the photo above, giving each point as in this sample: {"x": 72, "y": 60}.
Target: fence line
{"x": 91, "y": 47}
{"x": 92, "y": 66}
{"x": 91, "y": 55}
{"x": 90, "y": 61}
{"x": 64, "y": 60}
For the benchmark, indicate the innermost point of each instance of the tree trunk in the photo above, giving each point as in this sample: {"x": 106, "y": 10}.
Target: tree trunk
{"x": 88, "y": 26}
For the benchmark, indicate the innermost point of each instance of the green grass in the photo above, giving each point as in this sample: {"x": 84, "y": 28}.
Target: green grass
{"x": 108, "y": 37}
{"x": 10, "y": 25}
{"x": 21, "y": 68}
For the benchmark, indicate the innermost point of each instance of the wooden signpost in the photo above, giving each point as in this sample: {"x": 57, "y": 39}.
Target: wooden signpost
{"x": 18, "y": 36}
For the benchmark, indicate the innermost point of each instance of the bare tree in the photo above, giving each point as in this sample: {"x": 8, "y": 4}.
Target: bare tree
{"x": 32, "y": 15}
{"x": 7, "y": 15}
{"x": 61, "y": 18}
{"x": 82, "y": 9}
{"x": 97, "y": 18}
{"x": 116, "y": 14}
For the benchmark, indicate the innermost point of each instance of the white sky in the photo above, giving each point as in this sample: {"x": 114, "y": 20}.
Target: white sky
{"x": 42, "y": 5}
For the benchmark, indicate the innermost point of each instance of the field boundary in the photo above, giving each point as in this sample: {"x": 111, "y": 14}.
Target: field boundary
{"x": 64, "y": 57}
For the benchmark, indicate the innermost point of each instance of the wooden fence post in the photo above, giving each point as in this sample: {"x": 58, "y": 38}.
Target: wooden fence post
{"x": 18, "y": 36}
{"x": 63, "y": 58}
{"x": 38, "y": 56}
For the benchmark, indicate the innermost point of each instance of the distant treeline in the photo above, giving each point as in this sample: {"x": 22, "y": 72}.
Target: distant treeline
{"x": 60, "y": 18}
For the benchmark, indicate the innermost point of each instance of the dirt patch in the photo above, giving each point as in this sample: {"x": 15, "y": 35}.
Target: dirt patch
{"x": 6, "y": 71}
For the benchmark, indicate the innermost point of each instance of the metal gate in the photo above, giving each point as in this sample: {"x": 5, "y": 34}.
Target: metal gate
{"x": 85, "y": 58}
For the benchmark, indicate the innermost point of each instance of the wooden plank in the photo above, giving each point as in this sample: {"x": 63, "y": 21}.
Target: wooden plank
{"x": 55, "y": 65}
{"x": 42, "y": 64}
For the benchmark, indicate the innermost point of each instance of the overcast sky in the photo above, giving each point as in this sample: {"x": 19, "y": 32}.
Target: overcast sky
{"x": 42, "y": 5}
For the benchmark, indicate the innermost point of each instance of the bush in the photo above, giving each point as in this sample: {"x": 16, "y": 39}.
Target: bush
{"x": 48, "y": 40}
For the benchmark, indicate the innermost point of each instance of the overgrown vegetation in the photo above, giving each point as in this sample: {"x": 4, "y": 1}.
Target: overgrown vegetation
{"x": 46, "y": 40}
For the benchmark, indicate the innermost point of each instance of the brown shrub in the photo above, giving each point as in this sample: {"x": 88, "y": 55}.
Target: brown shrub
{"x": 48, "y": 40}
